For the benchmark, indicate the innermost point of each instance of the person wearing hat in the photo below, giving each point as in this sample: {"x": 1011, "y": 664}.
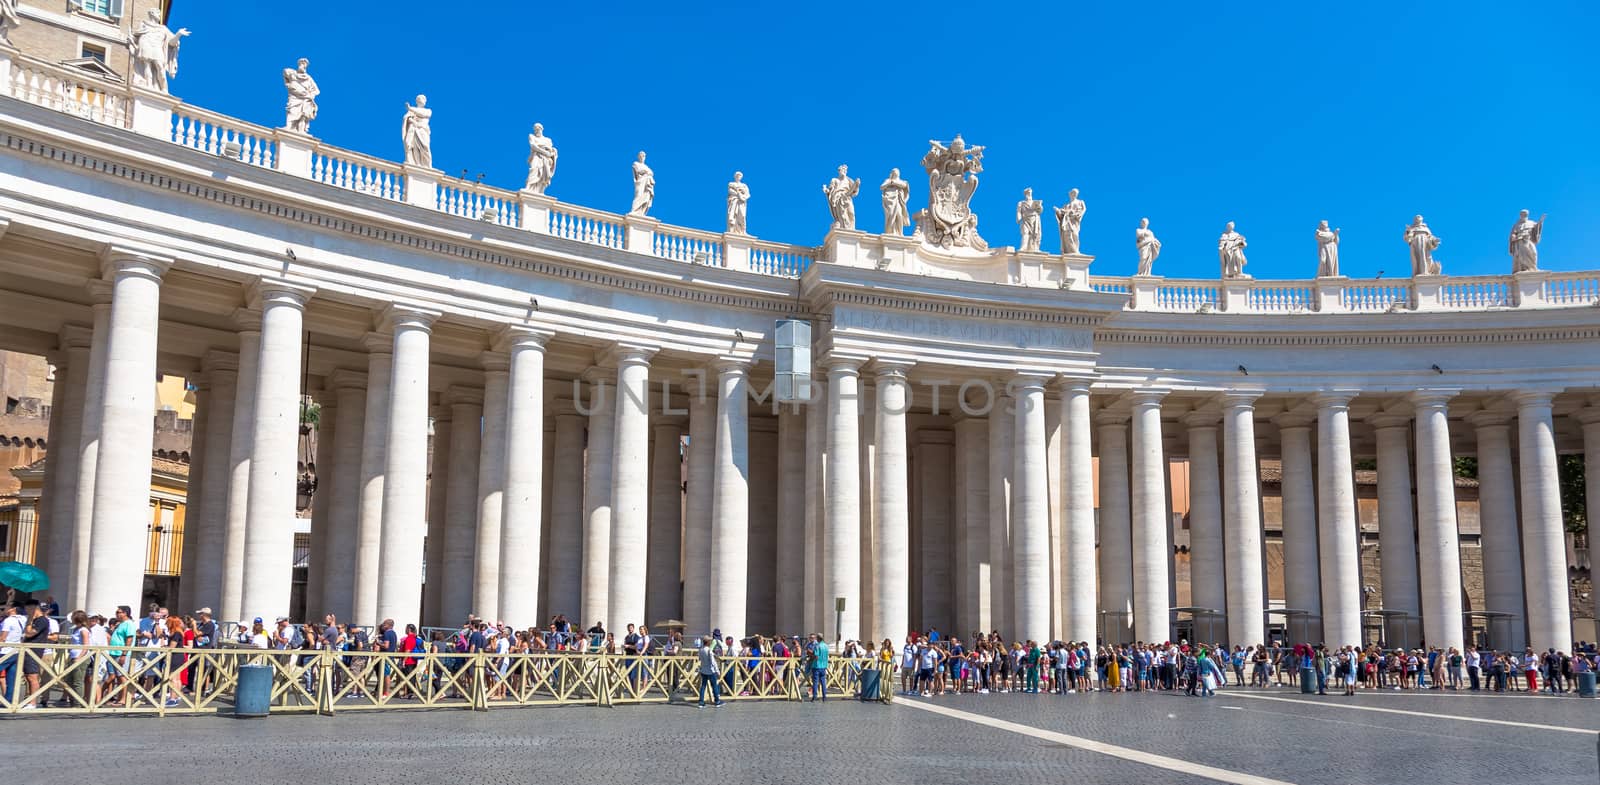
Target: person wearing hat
{"x": 257, "y": 636}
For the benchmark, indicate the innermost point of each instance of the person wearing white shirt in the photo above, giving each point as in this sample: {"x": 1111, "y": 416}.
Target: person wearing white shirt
{"x": 10, "y": 659}
{"x": 908, "y": 665}
{"x": 1473, "y": 664}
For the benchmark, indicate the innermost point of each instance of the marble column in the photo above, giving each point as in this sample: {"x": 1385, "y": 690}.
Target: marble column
{"x": 697, "y": 512}
{"x": 240, "y": 449}
{"x": 664, "y": 596}
{"x": 1030, "y": 522}
{"x": 1247, "y": 600}
{"x": 972, "y": 516}
{"x": 816, "y": 505}
{"x": 1116, "y": 537}
{"x": 209, "y": 517}
{"x": 374, "y": 463}
{"x": 342, "y": 483}
{"x": 1397, "y": 529}
{"x": 522, "y": 508}
{"x": 1301, "y": 568}
{"x": 1543, "y": 536}
{"x": 1440, "y": 549}
{"x": 761, "y": 576}
{"x": 891, "y": 506}
{"x": 1077, "y": 527}
{"x": 566, "y": 515}
{"x": 630, "y": 486}
{"x": 1590, "y": 417}
{"x": 188, "y": 545}
{"x": 460, "y": 547}
{"x": 438, "y": 500}
{"x": 730, "y": 500}
{"x": 936, "y": 544}
{"x": 491, "y": 485}
{"x": 1002, "y": 465}
{"x": 119, "y": 541}
{"x": 596, "y": 584}
{"x": 66, "y": 434}
{"x": 1336, "y": 521}
{"x": 791, "y": 520}
{"x": 842, "y": 537}
{"x": 327, "y": 436}
{"x": 48, "y": 538}
{"x": 1208, "y": 586}
{"x": 406, "y": 469}
{"x": 88, "y": 446}
{"x": 1148, "y": 513}
{"x": 1497, "y": 522}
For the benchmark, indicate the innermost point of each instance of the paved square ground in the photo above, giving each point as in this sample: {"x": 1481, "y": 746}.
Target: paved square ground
{"x": 1260, "y": 737}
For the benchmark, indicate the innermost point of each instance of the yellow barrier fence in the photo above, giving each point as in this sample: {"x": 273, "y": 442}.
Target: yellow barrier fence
{"x": 63, "y": 679}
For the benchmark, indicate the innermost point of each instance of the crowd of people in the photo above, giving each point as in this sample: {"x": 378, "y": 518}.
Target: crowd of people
{"x": 926, "y": 664}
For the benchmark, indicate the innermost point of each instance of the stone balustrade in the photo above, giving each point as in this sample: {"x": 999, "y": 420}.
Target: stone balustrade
{"x": 86, "y": 95}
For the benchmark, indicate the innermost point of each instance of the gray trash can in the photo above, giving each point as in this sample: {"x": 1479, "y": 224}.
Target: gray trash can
{"x": 1308, "y": 681}
{"x": 253, "y": 696}
{"x": 1586, "y": 684}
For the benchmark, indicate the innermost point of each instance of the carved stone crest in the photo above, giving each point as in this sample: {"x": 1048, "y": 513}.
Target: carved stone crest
{"x": 948, "y": 221}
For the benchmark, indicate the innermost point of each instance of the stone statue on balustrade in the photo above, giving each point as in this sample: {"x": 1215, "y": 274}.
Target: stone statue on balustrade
{"x": 841, "y": 192}
{"x": 1230, "y": 251}
{"x": 738, "y": 203}
{"x": 1525, "y": 236}
{"x": 1069, "y": 217}
{"x": 896, "y": 192}
{"x": 303, "y": 91}
{"x": 417, "y": 134}
{"x": 644, "y": 187}
{"x": 948, "y": 220}
{"x": 153, "y": 48}
{"x": 1149, "y": 247}
{"x": 1422, "y": 242}
{"x": 9, "y": 20}
{"x": 1327, "y": 251}
{"x": 541, "y": 160}
{"x": 1028, "y": 212}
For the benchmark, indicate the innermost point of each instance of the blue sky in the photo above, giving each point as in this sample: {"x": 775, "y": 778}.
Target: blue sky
{"x": 1273, "y": 115}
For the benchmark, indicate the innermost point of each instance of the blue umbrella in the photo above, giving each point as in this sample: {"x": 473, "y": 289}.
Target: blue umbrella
{"x": 23, "y": 577}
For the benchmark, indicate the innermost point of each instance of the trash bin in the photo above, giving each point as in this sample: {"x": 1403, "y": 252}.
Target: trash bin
{"x": 1586, "y": 684}
{"x": 1308, "y": 681}
{"x": 253, "y": 695}
{"x": 871, "y": 681}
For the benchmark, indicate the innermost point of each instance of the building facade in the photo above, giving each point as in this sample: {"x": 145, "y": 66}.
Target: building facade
{"x": 572, "y": 364}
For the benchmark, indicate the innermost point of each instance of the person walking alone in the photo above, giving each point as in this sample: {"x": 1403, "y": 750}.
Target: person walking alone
{"x": 708, "y": 673}
{"x": 817, "y": 658}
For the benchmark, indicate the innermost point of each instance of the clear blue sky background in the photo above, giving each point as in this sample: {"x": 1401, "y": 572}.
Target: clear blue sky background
{"x": 1273, "y": 115}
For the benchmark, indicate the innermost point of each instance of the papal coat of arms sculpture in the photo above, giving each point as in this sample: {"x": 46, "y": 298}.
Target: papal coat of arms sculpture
{"x": 948, "y": 221}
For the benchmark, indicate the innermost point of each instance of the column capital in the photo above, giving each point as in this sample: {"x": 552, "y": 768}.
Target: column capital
{"x": 494, "y": 362}
{"x": 1111, "y": 417}
{"x": 247, "y": 319}
{"x": 277, "y": 291}
{"x": 596, "y": 374}
{"x": 463, "y": 395}
{"x": 1239, "y": 399}
{"x": 1432, "y": 399}
{"x": 624, "y": 353}
{"x": 516, "y": 336}
{"x": 1028, "y": 379}
{"x": 842, "y": 361}
{"x": 378, "y": 343}
{"x": 1390, "y": 419}
{"x": 1490, "y": 418}
{"x": 118, "y": 260}
{"x": 1533, "y": 398}
{"x": 345, "y": 379}
{"x": 1589, "y": 415}
{"x": 76, "y": 336}
{"x": 440, "y": 412}
{"x": 218, "y": 360}
{"x": 1145, "y": 397}
{"x": 1201, "y": 419}
{"x": 1334, "y": 399}
{"x": 727, "y": 366}
{"x": 99, "y": 291}
{"x": 891, "y": 368}
{"x": 405, "y": 316}
{"x": 668, "y": 424}
{"x": 1075, "y": 383}
{"x": 1293, "y": 420}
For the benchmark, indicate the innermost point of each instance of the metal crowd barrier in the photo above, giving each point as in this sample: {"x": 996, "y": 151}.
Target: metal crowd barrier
{"x": 162, "y": 681}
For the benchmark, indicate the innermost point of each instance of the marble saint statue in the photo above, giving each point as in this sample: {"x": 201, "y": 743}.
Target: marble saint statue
{"x": 153, "y": 49}
{"x": 1525, "y": 236}
{"x": 1230, "y": 251}
{"x": 9, "y": 20}
{"x": 1070, "y": 219}
{"x": 541, "y": 160}
{"x": 1422, "y": 242}
{"x": 416, "y": 133}
{"x": 738, "y": 203}
{"x": 896, "y": 192}
{"x": 1028, "y": 212}
{"x": 1149, "y": 247}
{"x": 841, "y": 192}
{"x": 303, "y": 92}
{"x": 644, "y": 187}
{"x": 1327, "y": 251}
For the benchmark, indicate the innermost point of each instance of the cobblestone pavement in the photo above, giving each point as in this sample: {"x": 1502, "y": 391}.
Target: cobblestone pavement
{"x": 1310, "y": 743}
